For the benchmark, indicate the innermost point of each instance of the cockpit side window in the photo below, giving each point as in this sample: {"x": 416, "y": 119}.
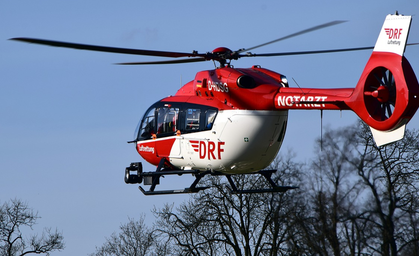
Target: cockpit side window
{"x": 148, "y": 125}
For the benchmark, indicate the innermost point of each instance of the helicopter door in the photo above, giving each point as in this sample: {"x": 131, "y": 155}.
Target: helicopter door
{"x": 167, "y": 126}
{"x": 167, "y": 120}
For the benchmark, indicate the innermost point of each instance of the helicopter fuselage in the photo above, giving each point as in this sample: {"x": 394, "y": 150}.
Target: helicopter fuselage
{"x": 227, "y": 120}
{"x": 224, "y": 120}
{"x": 239, "y": 141}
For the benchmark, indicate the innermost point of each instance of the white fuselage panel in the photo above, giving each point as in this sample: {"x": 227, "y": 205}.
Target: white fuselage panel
{"x": 240, "y": 141}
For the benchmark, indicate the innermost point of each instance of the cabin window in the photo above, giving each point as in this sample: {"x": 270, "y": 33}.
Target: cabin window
{"x": 192, "y": 119}
{"x": 167, "y": 119}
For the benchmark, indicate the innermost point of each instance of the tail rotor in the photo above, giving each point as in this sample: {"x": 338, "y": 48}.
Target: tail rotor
{"x": 380, "y": 94}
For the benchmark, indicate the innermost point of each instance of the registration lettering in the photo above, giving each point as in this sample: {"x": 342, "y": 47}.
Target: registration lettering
{"x": 217, "y": 86}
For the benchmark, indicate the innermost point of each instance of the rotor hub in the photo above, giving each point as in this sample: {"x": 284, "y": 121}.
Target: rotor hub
{"x": 382, "y": 94}
{"x": 222, "y": 51}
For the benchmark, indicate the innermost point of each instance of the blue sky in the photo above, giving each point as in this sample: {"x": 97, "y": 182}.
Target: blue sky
{"x": 66, "y": 115}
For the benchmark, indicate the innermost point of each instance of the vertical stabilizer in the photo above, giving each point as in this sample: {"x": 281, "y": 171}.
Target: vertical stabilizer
{"x": 393, "y": 35}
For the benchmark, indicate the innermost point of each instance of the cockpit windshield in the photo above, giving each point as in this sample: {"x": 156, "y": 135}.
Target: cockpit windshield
{"x": 148, "y": 124}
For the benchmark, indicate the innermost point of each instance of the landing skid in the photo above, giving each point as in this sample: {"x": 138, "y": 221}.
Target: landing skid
{"x": 165, "y": 168}
{"x": 268, "y": 176}
{"x": 155, "y": 176}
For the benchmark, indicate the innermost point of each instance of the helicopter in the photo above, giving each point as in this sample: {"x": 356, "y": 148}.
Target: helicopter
{"x": 232, "y": 121}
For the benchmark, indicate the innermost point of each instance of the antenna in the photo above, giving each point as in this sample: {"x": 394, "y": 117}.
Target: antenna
{"x": 298, "y": 85}
{"x": 321, "y": 119}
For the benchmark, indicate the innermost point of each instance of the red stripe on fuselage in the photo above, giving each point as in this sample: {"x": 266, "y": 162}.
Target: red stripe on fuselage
{"x": 154, "y": 150}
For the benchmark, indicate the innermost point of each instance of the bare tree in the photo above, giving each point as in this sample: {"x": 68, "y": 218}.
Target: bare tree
{"x": 365, "y": 198}
{"x": 391, "y": 177}
{"x": 134, "y": 239}
{"x": 15, "y": 215}
{"x": 333, "y": 191}
{"x": 217, "y": 222}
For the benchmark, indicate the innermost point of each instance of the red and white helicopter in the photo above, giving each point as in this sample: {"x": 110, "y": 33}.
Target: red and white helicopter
{"x": 230, "y": 121}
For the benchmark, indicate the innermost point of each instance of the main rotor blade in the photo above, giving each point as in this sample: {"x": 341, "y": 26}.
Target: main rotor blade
{"x": 311, "y": 52}
{"x": 328, "y": 24}
{"x": 307, "y": 52}
{"x": 107, "y": 49}
{"x": 164, "y": 62}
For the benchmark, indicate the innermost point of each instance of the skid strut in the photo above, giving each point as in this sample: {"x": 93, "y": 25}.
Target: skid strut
{"x": 165, "y": 168}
